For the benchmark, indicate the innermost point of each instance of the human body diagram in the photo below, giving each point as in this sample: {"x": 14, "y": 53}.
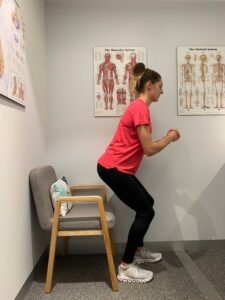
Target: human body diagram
{"x": 128, "y": 74}
{"x": 188, "y": 81}
{"x": 201, "y": 83}
{"x": 113, "y": 73}
{"x": 107, "y": 71}
{"x": 2, "y": 64}
{"x": 218, "y": 81}
{"x": 12, "y": 52}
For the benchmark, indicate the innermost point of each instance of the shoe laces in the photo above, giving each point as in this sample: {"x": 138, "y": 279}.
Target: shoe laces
{"x": 143, "y": 251}
{"x": 135, "y": 265}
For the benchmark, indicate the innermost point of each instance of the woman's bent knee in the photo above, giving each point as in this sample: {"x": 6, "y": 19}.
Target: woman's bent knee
{"x": 148, "y": 214}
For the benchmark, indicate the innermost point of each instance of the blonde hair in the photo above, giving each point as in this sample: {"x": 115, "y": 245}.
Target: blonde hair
{"x": 141, "y": 75}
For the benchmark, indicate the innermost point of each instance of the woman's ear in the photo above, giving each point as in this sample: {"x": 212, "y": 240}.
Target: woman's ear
{"x": 149, "y": 85}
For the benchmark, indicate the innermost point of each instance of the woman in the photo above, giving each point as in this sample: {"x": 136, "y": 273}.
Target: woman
{"x": 118, "y": 164}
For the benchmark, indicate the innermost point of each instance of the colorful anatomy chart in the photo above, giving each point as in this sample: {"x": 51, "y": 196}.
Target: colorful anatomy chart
{"x": 112, "y": 75}
{"x": 12, "y": 52}
{"x": 201, "y": 80}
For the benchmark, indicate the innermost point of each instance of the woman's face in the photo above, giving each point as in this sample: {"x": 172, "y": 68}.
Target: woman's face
{"x": 155, "y": 90}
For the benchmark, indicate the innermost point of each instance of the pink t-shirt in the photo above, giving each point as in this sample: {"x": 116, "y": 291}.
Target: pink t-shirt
{"x": 125, "y": 151}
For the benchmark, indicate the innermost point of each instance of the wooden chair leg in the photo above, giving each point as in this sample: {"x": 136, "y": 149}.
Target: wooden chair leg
{"x": 64, "y": 246}
{"x": 51, "y": 259}
{"x": 108, "y": 248}
{"x": 110, "y": 261}
{"x": 113, "y": 246}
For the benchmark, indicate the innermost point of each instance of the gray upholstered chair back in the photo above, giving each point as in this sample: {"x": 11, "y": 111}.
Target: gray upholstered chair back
{"x": 41, "y": 180}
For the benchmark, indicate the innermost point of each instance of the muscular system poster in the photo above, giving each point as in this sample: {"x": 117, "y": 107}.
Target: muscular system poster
{"x": 12, "y": 52}
{"x": 201, "y": 80}
{"x": 112, "y": 73}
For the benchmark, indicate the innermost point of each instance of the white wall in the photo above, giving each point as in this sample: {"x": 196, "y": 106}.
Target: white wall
{"x": 186, "y": 179}
{"x": 23, "y": 146}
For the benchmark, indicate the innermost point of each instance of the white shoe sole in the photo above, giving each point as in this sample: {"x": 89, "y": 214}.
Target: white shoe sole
{"x": 130, "y": 279}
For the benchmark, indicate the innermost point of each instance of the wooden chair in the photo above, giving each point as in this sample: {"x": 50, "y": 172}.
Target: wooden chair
{"x": 90, "y": 215}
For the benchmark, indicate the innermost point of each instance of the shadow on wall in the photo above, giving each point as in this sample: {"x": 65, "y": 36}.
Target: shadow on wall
{"x": 10, "y": 103}
{"x": 207, "y": 210}
{"x": 201, "y": 219}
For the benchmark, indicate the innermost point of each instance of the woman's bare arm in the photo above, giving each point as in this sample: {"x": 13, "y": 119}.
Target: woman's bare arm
{"x": 152, "y": 147}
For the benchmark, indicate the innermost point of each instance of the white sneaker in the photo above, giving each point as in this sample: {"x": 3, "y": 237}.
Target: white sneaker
{"x": 147, "y": 256}
{"x": 134, "y": 274}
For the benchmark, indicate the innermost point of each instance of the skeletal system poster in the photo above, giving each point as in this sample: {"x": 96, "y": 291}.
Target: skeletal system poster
{"x": 112, "y": 74}
{"x": 12, "y": 52}
{"x": 201, "y": 80}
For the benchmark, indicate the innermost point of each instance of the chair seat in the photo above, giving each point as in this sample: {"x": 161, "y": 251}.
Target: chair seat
{"x": 86, "y": 216}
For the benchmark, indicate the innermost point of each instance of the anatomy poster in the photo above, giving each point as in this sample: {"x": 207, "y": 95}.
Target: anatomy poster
{"x": 112, "y": 74}
{"x": 12, "y": 52}
{"x": 201, "y": 80}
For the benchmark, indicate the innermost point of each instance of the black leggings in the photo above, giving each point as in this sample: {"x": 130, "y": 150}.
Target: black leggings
{"x": 131, "y": 192}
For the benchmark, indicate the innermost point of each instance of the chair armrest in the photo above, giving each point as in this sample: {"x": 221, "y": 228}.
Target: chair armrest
{"x": 100, "y": 187}
{"x": 97, "y": 199}
{"x": 73, "y": 199}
